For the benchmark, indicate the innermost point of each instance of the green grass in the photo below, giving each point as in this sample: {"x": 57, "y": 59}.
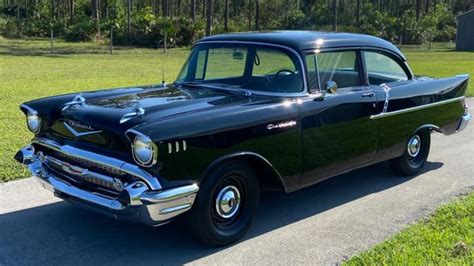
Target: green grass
{"x": 445, "y": 238}
{"x": 28, "y": 71}
{"x": 441, "y": 61}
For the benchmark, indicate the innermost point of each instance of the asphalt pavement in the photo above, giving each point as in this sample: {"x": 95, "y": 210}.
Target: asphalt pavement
{"x": 322, "y": 224}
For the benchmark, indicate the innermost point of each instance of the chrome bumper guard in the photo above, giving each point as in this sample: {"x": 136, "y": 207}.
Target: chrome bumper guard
{"x": 464, "y": 120}
{"x": 136, "y": 202}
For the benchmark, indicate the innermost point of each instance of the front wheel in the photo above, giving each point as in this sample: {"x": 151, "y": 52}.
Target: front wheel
{"x": 226, "y": 205}
{"x": 415, "y": 155}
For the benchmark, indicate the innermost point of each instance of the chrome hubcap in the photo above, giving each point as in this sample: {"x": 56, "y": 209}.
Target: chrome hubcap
{"x": 414, "y": 146}
{"x": 228, "y": 202}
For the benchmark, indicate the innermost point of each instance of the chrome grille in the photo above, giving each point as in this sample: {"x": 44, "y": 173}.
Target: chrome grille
{"x": 81, "y": 175}
{"x": 89, "y": 164}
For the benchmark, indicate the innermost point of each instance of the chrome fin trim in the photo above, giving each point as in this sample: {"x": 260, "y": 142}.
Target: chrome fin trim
{"x": 416, "y": 108}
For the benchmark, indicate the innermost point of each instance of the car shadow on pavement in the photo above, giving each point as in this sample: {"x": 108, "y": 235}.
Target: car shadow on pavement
{"x": 60, "y": 233}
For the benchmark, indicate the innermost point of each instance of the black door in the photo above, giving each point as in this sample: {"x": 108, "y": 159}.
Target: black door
{"x": 337, "y": 132}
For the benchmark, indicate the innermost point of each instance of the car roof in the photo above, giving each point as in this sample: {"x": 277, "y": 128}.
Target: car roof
{"x": 308, "y": 40}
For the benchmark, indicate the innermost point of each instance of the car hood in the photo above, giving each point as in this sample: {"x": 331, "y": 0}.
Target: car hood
{"x": 101, "y": 119}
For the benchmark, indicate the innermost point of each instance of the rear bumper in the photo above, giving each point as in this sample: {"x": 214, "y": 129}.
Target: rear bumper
{"x": 136, "y": 202}
{"x": 464, "y": 120}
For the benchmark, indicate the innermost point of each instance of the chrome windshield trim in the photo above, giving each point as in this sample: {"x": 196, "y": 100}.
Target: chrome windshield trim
{"x": 117, "y": 164}
{"x": 416, "y": 108}
{"x": 304, "y": 92}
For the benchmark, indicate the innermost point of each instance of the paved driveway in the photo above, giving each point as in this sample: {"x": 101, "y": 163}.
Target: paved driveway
{"x": 322, "y": 224}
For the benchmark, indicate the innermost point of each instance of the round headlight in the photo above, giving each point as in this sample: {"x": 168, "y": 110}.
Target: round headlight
{"x": 33, "y": 122}
{"x": 143, "y": 150}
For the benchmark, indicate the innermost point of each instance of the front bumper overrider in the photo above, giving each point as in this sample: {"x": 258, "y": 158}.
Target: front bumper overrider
{"x": 136, "y": 202}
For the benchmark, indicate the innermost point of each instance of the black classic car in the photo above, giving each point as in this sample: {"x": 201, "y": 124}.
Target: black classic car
{"x": 250, "y": 111}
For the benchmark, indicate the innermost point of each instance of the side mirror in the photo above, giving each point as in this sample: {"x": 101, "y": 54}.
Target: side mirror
{"x": 331, "y": 86}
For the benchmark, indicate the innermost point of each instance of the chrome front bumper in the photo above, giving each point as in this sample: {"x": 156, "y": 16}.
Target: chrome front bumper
{"x": 136, "y": 202}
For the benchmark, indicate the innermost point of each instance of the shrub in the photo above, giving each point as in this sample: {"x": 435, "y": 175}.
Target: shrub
{"x": 83, "y": 29}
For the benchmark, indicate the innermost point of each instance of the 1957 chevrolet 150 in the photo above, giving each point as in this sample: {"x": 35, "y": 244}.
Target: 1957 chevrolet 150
{"x": 247, "y": 112}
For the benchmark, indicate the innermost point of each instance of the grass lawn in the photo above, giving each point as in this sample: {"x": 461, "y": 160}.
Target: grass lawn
{"x": 445, "y": 238}
{"x": 28, "y": 71}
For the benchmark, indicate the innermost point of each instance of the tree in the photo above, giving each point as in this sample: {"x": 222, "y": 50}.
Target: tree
{"x": 96, "y": 14}
{"x": 334, "y": 15}
{"x": 226, "y": 15}
{"x": 418, "y": 9}
{"x": 209, "y": 18}
{"x": 358, "y": 12}
{"x": 129, "y": 23}
{"x": 250, "y": 15}
{"x": 257, "y": 15}
{"x": 193, "y": 10}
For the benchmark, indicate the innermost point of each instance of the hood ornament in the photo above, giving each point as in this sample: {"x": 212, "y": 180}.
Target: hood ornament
{"x": 77, "y": 100}
{"x": 137, "y": 112}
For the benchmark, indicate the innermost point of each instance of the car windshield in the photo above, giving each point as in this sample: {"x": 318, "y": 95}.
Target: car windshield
{"x": 243, "y": 66}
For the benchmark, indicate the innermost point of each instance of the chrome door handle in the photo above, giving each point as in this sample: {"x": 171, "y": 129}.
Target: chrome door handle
{"x": 368, "y": 94}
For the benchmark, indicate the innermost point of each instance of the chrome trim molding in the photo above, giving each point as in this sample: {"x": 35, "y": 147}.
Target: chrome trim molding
{"x": 416, "y": 108}
{"x": 117, "y": 164}
{"x": 80, "y": 134}
{"x": 135, "y": 201}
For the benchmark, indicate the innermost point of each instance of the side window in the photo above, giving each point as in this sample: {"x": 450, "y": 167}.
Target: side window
{"x": 341, "y": 67}
{"x": 383, "y": 69}
{"x": 311, "y": 64}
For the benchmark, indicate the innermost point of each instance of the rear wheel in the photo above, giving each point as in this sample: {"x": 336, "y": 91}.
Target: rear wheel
{"x": 226, "y": 205}
{"x": 415, "y": 155}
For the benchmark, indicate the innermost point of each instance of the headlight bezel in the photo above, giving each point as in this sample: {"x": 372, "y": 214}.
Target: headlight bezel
{"x": 145, "y": 141}
{"x": 29, "y": 114}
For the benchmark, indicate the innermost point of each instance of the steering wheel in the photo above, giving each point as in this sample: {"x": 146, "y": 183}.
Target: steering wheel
{"x": 284, "y": 70}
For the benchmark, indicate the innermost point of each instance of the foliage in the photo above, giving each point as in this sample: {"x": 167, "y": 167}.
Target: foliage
{"x": 396, "y": 21}
{"x": 446, "y": 238}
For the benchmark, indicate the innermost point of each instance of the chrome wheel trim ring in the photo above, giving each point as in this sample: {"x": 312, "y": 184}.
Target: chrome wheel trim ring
{"x": 228, "y": 202}
{"x": 414, "y": 146}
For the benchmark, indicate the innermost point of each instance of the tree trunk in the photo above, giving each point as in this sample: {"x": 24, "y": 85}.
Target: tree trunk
{"x": 129, "y": 23}
{"x": 209, "y": 18}
{"x": 193, "y": 10}
{"x": 226, "y": 15}
{"x": 358, "y": 13}
{"x": 250, "y": 15}
{"x": 95, "y": 14}
{"x": 334, "y": 15}
{"x": 397, "y": 9}
{"x": 257, "y": 15}
{"x": 71, "y": 10}
{"x": 204, "y": 4}
{"x": 53, "y": 10}
{"x": 418, "y": 9}
{"x": 427, "y": 6}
